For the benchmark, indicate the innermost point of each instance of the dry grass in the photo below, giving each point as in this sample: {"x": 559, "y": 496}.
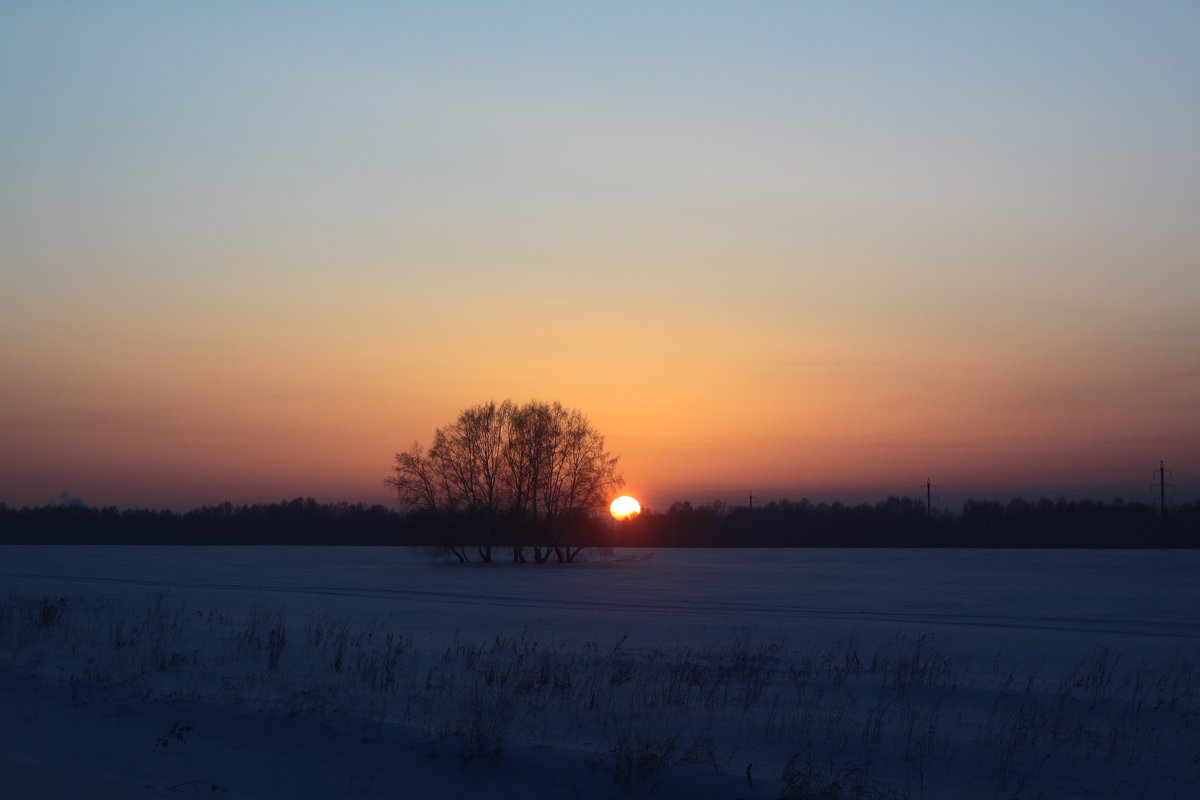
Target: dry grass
{"x": 837, "y": 721}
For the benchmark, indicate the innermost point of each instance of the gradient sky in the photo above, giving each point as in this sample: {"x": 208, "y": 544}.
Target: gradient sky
{"x": 248, "y": 251}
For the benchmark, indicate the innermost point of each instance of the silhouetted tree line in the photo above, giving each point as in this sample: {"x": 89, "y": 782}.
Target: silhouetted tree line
{"x": 905, "y": 522}
{"x": 302, "y": 521}
{"x": 894, "y": 522}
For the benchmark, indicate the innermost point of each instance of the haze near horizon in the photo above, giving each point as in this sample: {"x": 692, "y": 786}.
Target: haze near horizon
{"x": 251, "y": 252}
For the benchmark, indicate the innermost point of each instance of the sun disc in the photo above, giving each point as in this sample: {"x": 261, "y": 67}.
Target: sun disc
{"x": 625, "y": 507}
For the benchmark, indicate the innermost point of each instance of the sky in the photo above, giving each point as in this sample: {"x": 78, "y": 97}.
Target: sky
{"x": 249, "y": 251}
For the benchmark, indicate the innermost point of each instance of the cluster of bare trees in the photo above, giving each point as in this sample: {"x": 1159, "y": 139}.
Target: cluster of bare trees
{"x": 529, "y": 477}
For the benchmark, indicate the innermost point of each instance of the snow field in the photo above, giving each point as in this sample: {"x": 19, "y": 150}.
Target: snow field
{"x": 906, "y": 715}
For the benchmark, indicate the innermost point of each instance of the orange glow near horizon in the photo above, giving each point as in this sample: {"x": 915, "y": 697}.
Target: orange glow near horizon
{"x": 183, "y": 427}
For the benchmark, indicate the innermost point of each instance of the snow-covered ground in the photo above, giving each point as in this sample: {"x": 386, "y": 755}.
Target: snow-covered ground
{"x": 320, "y": 672}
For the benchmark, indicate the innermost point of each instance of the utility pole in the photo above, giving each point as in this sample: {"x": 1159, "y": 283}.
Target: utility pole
{"x": 1161, "y": 473}
{"x": 1162, "y": 488}
{"x": 929, "y": 497}
{"x": 751, "y": 499}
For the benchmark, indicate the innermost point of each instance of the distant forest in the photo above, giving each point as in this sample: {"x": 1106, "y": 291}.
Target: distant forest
{"x": 894, "y": 522}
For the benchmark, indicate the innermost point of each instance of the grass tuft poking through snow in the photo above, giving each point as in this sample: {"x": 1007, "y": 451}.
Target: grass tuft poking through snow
{"x": 909, "y": 718}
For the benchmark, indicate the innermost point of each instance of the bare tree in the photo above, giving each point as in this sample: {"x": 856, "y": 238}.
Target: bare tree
{"x": 420, "y": 485}
{"x": 530, "y": 476}
{"x": 575, "y": 475}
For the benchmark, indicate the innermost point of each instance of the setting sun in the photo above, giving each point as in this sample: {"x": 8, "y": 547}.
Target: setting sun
{"x": 625, "y": 507}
